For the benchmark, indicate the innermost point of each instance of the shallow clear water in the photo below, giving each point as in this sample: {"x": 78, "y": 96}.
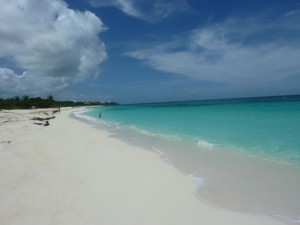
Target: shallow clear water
{"x": 243, "y": 153}
{"x": 267, "y": 127}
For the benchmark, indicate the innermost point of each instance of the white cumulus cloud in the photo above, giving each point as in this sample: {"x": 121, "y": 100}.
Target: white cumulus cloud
{"x": 46, "y": 46}
{"x": 145, "y": 9}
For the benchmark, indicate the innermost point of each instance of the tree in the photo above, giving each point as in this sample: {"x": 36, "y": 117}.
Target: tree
{"x": 25, "y": 98}
{"x": 50, "y": 98}
{"x": 50, "y": 101}
{"x": 17, "y": 99}
{"x": 25, "y": 102}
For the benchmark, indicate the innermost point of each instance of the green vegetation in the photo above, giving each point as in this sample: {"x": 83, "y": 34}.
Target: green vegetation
{"x": 26, "y": 102}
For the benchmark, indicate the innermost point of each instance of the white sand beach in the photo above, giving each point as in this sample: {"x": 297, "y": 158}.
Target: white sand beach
{"x": 69, "y": 173}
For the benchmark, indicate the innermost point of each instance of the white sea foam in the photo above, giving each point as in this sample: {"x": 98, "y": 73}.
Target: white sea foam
{"x": 153, "y": 134}
{"x": 79, "y": 113}
{"x": 295, "y": 220}
{"x": 160, "y": 153}
{"x": 198, "y": 180}
{"x": 205, "y": 144}
{"x": 95, "y": 122}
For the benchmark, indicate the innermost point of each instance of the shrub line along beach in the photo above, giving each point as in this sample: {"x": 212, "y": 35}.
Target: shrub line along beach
{"x": 71, "y": 173}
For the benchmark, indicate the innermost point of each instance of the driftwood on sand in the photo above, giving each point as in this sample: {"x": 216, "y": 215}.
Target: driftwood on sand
{"x": 46, "y": 119}
{"x": 43, "y": 119}
{"x": 44, "y": 124}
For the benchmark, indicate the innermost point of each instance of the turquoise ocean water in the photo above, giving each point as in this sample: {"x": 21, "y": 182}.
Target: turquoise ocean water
{"x": 244, "y": 154}
{"x": 268, "y": 127}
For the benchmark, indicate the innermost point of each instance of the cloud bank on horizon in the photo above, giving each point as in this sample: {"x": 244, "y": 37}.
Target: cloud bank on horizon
{"x": 42, "y": 51}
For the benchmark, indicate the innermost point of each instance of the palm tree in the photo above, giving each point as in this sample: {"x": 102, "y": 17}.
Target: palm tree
{"x": 25, "y": 101}
{"x": 25, "y": 98}
{"x": 50, "y": 101}
{"x": 17, "y": 99}
{"x": 50, "y": 98}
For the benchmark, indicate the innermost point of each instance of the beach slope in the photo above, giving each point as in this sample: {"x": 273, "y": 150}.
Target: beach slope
{"x": 71, "y": 173}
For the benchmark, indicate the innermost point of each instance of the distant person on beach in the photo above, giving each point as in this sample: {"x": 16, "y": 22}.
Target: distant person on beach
{"x": 100, "y": 115}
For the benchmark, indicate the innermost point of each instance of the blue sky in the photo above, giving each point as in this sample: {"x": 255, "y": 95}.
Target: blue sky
{"x": 147, "y": 51}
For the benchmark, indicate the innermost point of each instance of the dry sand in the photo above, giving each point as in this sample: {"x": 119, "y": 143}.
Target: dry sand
{"x": 69, "y": 173}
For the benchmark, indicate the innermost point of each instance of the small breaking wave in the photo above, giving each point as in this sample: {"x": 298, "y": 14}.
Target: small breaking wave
{"x": 205, "y": 144}
{"x": 198, "y": 180}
